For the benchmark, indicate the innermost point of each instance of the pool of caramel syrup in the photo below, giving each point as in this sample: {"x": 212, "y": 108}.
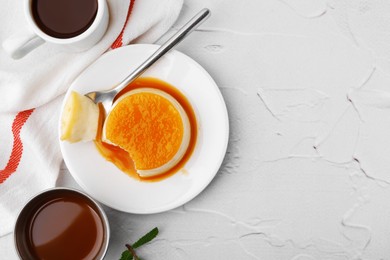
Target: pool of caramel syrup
{"x": 65, "y": 226}
{"x": 121, "y": 158}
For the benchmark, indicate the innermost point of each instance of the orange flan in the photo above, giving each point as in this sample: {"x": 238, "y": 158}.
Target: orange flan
{"x": 152, "y": 127}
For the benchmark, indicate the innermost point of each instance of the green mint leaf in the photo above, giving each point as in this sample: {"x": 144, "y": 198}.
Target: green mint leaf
{"x": 126, "y": 255}
{"x": 146, "y": 238}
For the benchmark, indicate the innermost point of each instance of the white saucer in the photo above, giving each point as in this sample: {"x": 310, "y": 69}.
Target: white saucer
{"x": 104, "y": 181}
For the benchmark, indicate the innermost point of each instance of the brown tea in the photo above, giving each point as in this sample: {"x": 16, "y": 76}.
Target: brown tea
{"x": 65, "y": 227}
{"x": 64, "y": 18}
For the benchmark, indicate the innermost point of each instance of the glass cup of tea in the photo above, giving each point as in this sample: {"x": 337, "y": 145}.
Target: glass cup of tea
{"x": 73, "y": 24}
{"x": 62, "y": 223}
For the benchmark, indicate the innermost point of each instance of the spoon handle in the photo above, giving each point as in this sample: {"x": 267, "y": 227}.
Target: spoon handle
{"x": 169, "y": 44}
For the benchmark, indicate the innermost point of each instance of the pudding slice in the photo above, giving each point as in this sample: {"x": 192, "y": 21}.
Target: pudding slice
{"x": 79, "y": 119}
{"x": 152, "y": 127}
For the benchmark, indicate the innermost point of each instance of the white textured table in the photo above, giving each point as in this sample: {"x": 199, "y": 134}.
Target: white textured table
{"x": 307, "y": 172}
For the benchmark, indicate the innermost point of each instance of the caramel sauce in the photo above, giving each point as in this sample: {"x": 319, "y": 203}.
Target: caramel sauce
{"x": 121, "y": 158}
{"x": 65, "y": 227}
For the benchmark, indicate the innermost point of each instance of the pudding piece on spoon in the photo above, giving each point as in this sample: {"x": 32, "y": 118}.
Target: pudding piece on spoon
{"x": 80, "y": 118}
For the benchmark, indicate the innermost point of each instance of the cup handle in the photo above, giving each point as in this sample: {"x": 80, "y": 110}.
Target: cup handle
{"x": 18, "y": 45}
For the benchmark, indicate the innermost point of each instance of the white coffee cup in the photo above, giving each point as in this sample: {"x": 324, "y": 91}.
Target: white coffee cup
{"x": 20, "y": 44}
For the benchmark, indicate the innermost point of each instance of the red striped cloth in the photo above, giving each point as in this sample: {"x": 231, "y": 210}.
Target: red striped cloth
{"x": 34, "y": 86}
{"x": 17, "y": 145}
{"x": 21, "y": 118}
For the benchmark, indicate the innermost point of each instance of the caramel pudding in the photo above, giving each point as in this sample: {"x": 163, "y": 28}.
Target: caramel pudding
{"x": 152, "y": 127}
{"x": 154, "y": 144}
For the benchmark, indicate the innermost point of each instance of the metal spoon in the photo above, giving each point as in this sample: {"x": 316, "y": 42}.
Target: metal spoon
{"x": 106, "y": 97}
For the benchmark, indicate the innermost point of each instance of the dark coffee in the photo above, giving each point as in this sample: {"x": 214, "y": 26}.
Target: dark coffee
{"x": 64, "y": 18}
{"x": 65, "y": 226}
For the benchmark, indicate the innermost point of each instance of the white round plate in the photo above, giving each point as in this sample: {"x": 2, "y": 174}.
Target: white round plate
{"x": 114, "y": 188}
